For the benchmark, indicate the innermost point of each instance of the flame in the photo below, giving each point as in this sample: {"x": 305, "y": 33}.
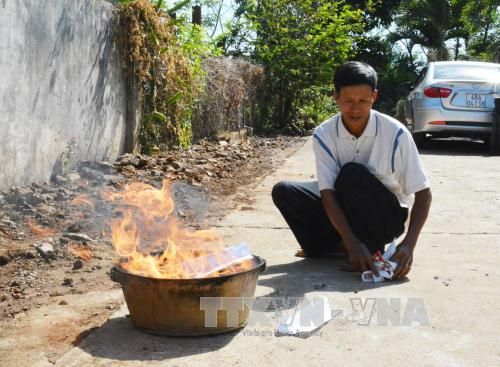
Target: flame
{"x": 39, "y": 231}
{"x": 153, "y": 243}
{"x": 81, "y": 251}
{"x": 84, "y": 201}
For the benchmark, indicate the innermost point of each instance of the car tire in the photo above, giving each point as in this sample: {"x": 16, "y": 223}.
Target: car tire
{"x": 420, "y": 139}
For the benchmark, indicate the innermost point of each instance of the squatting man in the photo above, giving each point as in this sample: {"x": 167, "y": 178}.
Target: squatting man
{"x": 369, "y": 177}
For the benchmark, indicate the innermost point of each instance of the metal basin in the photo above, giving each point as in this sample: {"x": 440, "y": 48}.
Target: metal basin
{"x": 172, "y": 306}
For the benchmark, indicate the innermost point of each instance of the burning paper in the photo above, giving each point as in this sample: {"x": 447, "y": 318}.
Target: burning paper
{"x": 204, "y": 266}
{"x": 384, "y": 266}
{"x": 152, "y": 242}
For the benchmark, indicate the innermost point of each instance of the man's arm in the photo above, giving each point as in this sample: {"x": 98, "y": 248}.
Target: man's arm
{"x": 359, "y": 255}
{"x": 418, "y": 216}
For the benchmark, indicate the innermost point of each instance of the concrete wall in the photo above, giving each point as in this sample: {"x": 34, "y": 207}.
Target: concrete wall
{"x": 63, "y": 94}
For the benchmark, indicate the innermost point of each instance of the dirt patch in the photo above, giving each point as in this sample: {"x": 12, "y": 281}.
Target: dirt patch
{"x": 52, "y": 252}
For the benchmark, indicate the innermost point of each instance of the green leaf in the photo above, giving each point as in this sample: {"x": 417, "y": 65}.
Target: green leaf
{"x": 178, "y": 6}
{"x": 174, "y": 99}
{"x": 159, "y": 116}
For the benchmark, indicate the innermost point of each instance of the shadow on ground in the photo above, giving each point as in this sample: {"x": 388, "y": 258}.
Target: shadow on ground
{"x": 456, "y": 147}
{"x": 118, "y": 339}
{"x": 298, "y": 278}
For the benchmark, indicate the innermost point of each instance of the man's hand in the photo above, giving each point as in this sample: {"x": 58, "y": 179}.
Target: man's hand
{"x": 404, "y": 258}
{"x": 360, "y": 257}
{"x": 404, "y": 252}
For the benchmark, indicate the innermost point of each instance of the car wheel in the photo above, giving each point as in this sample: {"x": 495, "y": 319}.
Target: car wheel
{"x": 418, "y": 138}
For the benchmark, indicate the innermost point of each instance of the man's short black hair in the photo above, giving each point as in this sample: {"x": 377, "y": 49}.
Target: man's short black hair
{"x": 354, "y": 73}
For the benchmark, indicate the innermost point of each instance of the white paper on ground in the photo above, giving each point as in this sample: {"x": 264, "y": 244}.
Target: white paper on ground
{"x": 368, "y": 275}
{"x": 309, "y": 316}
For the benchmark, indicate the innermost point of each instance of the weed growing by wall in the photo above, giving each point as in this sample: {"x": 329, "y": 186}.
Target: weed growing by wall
{"x": 164, "y": 74}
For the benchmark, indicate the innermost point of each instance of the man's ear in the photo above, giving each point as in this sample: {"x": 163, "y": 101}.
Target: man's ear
{"x": 335, "y": 97}
{"x": 375, "y": 95}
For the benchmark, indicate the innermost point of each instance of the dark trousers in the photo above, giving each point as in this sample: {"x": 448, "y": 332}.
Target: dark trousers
{"x": 373, "y": 212}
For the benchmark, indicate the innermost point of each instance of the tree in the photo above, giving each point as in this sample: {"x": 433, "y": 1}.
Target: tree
{"x": 376, "y": 12}
{"x": 482, "y": 21}
{"x": 300, "y": 43}
{"x": 429, "y": 23}
{"x": 238, "y": 35}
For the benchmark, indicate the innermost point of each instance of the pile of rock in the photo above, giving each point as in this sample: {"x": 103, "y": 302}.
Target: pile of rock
{"x": 204, "y": 164}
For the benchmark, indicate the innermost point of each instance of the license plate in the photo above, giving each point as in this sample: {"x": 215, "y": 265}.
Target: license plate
{"x": 475, "y": 100}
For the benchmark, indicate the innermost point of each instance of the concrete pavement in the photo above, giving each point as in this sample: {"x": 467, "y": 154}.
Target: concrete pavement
{"x": 455, "y": 279}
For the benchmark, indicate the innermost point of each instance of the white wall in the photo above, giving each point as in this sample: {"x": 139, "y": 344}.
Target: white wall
{"x": 61, "y": 83}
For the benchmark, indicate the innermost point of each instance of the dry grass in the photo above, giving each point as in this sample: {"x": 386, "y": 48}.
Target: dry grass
{"x": 229, "y": 99}
{"x": 154, "y": 57}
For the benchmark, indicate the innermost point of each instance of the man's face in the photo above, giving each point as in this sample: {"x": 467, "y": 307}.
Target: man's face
{"x": 355, "y": 103}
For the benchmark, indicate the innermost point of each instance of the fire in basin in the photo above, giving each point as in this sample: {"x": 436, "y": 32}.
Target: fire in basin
{"x": 165, "y": 268}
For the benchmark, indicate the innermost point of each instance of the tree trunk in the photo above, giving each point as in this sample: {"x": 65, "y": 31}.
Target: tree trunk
{"x": 287, "y": 110}
{"x": 486, "y": 30}
{"x": 278, "y": 111}
{"x": 412, "y": 60}
{"x": 133, "y": 113}
{"x": 409, "y": 47}
{"x": 485, "y": 37}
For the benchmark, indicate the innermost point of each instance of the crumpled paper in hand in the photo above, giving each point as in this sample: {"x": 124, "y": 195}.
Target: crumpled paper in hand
{"x": 384, "y": 266}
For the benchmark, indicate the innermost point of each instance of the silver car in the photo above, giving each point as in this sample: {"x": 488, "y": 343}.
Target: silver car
{"x": 453, "y": 98}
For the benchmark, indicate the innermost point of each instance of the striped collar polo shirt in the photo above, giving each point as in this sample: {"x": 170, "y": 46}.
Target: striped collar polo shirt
{"x": 385, "y": 148}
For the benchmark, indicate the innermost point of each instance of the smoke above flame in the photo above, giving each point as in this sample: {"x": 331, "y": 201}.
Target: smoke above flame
{"x": 152, "y": 242}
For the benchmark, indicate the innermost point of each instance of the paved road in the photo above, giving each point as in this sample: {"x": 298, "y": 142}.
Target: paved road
{"x": 453, "y": 291}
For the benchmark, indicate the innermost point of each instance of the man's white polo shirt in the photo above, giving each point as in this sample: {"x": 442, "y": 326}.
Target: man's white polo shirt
{"x": 386, "y": 148}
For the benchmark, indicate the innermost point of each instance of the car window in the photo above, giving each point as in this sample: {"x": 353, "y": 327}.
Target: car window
{"x": 466, "y": 72}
